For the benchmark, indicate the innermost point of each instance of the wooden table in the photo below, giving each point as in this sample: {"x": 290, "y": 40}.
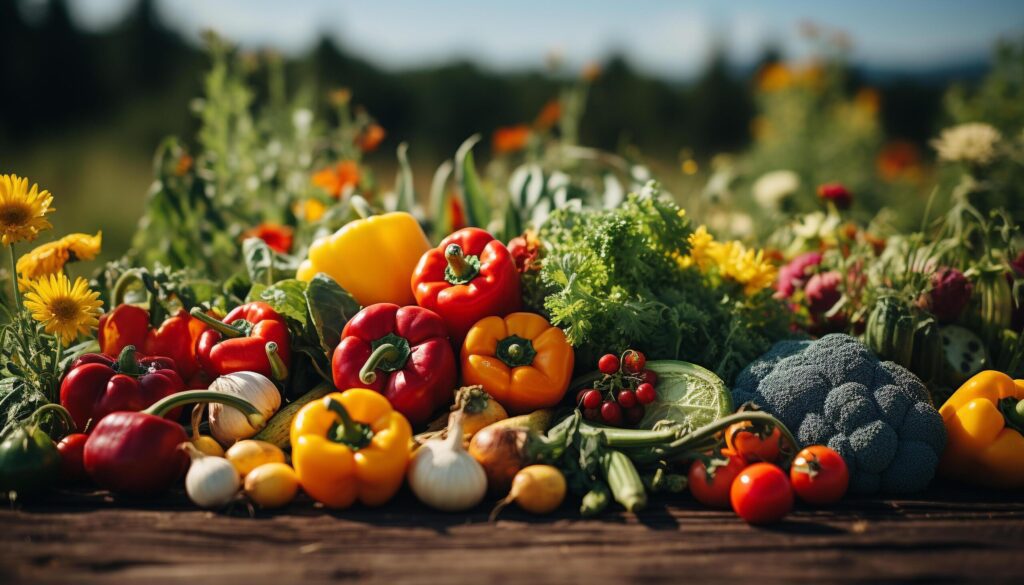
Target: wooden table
{"x": 946, "y": 535}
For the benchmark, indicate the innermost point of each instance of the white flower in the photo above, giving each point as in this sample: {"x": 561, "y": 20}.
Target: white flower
{"x": 302, "y": 118}
{"x": 972, "y": 143}
{"x": 771, "y": 188}
{"x": 816, "y": 225}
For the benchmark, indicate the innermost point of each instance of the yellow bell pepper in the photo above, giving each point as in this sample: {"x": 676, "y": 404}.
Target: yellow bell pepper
{"x": 521, "y": 361}
{"x": 984, "y": 424}
{"x": 350, "y": 446}
{"x": 372, "y": 258}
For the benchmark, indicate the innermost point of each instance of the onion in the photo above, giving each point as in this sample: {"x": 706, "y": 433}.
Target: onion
{"x": 538, "y": 489}
{"x": 501, "y": 451}
{"x": 211, "y": 481}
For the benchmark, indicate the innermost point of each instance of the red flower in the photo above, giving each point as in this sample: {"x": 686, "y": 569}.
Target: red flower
{"x": 278, "y": 237}
{"x": 823, "y": 291}
{"x": 525, "y": 250}
{"x": 837, "y": 194}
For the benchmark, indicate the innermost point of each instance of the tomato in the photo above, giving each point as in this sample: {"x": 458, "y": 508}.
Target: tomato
{"x": 711, "y": 488}
{"x": 633, "y": 361}
{"x": 819, "y": 475}
{"x": 608, "y": 364}
{"x": 761, "y": 494}
{"x": 751, "y": 444}
{"x": 71, "y": 447}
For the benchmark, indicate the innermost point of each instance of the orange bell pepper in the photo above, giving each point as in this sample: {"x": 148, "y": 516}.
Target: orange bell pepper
{"x": 350, "y": 446}
{"x": 520, "y": 360}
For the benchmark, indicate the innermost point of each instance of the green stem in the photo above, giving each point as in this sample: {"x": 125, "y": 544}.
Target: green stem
{"x": 461, "y": 269}
{"x": 277, "y": 367}
{"x": 349, "y": 432}
{"x": 60, "y": 356}
{"x": 14, "y": 281}
{"x": 127, "y": 361}
{"x": 360, "y": 206}
{"x": 216, "y": 324}
{"x": 385, "y": 353}
{"x": 122, "y": 285}
{"x": 687, "y": 442}
{"x": 62, "y": 414}
{"x": 165, "y": 405}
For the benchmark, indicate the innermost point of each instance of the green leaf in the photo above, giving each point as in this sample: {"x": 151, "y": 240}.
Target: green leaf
{"x": 286, "y": 297}
{"x": 18, "y": 400}
{"x": 259, "y": 261}
{"x": 404, "y": 191}
{"x": 468, "y": 183}
{"x": 330, "y": 308}
{"x": 441, "y": 224}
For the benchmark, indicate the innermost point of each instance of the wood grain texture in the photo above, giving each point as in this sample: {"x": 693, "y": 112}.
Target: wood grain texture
{"x": 945, "y": 536}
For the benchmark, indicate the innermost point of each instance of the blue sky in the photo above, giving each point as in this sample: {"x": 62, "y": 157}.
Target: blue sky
{"x": 672, "y": 39}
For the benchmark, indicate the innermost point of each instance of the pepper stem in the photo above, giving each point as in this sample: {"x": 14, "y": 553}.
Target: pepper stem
{"x": 277, "y": 367}
{"x": 62, "y": 414}
{"x": 515, "y": 351}
{"x": 1013, "y": 412}
{"x": 127, "y": 361}
{"x": 461, "y": 268}
{"x": 122, "y": 285}
{"x": 348, "y": 431}
{"x": 165, "y": 405}
{"x": 216, "y": 324}
{"x": 389, "y": 355}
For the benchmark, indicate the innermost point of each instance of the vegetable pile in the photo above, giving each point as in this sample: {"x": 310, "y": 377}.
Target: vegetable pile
{"x": 561, "y": 342}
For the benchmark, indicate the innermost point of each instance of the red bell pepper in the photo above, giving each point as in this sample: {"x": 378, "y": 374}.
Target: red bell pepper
{"x": 408, "y": 347}
{"x": 468, "y": 277}
{"x": 98, "y": 384}
{"x": 253, "y": 337}
{"x": 138, "y": 452}
{"x": 124, "y": 325}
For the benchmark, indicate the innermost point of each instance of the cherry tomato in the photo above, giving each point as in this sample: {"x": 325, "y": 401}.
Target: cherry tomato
{"x": 744, "y": 439}
{"x": 819, "y": 475}
{"x": 633, "y": 361}
{"x": 608, "y": 364}
{"x": 70, "y": 448}
{"x": 634, "y": 414}
{"x": 579, "y": 397}
{"x": 712, "y": 488}
{"x": 645, "y": 393}
{"x": 626, "y": 399}
{"x": 650, "y": 377}
{"x": 761, "y": 494}
{"x": 611, "y": 413}
{"x": 591, "y": 399}
{"x": 592, "y": 414}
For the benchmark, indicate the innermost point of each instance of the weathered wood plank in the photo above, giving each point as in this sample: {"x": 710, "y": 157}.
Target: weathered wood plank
{"x": 947, "y": 535}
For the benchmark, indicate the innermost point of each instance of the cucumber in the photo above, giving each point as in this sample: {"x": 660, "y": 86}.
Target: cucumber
{"x": 890, "y": 331}
{"x": 279, "y": 427}
{"x": 927, "y": 359}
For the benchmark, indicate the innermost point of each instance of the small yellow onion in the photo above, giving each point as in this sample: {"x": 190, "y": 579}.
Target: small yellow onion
{"x": 227, "y": 424}
{"x": 538, "y": 489}
{"x": 272, "y": 485}
{"x": 249, "y": 454}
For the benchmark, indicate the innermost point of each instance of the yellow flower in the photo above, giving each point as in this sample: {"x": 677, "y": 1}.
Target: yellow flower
{"x": 22, "y": 210}
{"x": 700, "y": 242}
{"x": 310, "y": 210}
{"x": 51, "y": 257}
{"x": 65, "y": 310}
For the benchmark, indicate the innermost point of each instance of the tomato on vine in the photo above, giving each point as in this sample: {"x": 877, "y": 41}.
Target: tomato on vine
{"x": 753, "y": 442}
{"x": 711, "y": 478}
{"x": 819, "y": 475}
{"x": 761, "y": 494}
{"x": 633, "y": 361}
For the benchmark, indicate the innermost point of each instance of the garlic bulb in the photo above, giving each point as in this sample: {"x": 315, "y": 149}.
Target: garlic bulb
{"x": 444, "y": 476}
{"x": 227, "y": 424}
{"x": 211, "y": 482}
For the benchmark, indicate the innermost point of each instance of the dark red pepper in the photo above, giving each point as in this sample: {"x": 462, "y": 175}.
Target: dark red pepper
{"x": 98, "y": 384}
{"x": 401, "y": 352}
{"x": 253, "y": 338}
{"x": 137, "y": 453}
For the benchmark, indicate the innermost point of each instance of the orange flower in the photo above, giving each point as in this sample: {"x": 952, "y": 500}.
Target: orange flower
{"x": 868, "y": 99}
{"x": 370, "y": 138}
{"x": 278, "y": 237}
{"x": 773, "y": 77}
{"x": 591, "y": 71}
{"x": 184, "y": 165}
{"x": 339, "y": 179}
{"x": 310, "y": 210}
{"x": 510, "y": 139}
{"x": 549, "y": 115}
{"x": 898, "y": 159}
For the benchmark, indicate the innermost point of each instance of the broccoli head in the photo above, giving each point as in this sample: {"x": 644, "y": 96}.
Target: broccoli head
{"x": 835, "y": 392}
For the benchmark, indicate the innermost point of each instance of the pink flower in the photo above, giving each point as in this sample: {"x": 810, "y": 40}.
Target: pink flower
{"x": 793, "y": 276}
{"x": 823, "y": 291}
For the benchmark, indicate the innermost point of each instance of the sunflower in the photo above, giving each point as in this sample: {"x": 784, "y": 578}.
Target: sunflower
{"x": 66, "y": 310}
{"x": 22, "y": 210}
{"x": 51, "y": 257}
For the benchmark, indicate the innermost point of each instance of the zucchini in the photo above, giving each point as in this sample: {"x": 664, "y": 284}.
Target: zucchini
{"x": 890, "y": 331}
{"x": 625, "y": 483}
{"x": 279, "y": 427}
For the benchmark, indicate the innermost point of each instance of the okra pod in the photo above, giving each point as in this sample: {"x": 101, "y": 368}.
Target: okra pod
{"x": 624, "y": 481}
